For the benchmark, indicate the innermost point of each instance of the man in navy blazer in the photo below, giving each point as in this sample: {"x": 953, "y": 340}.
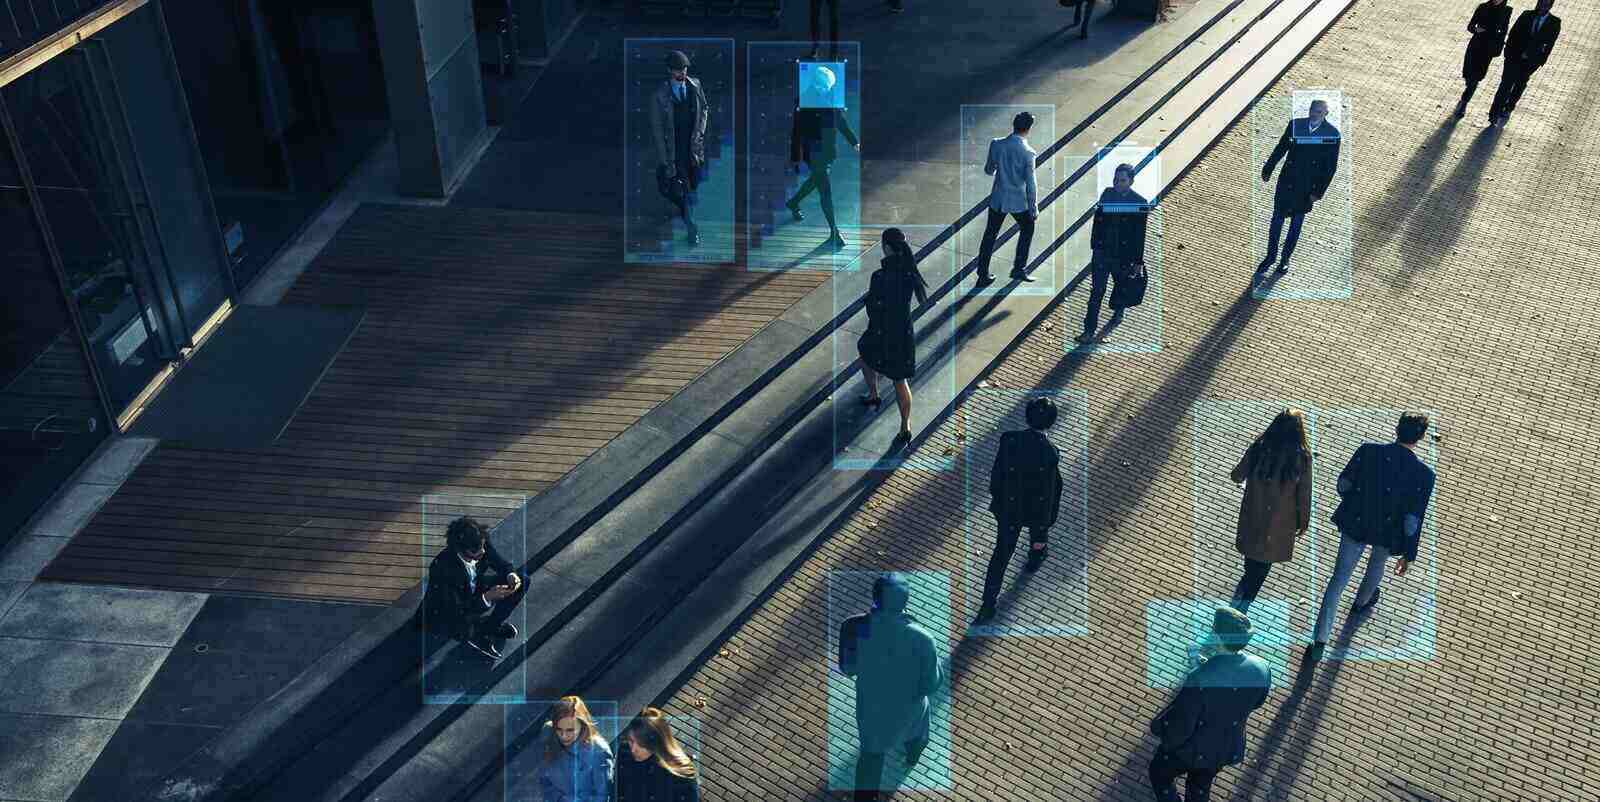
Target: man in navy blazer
{"x": 472, "y": 590}
{"x": 1527, "y": 47}
{"x": 1309, "y": 149}
{"x": 1025, "y": 490}
{"x": 1384, "y": 493}
{"x": 1202, "y": 728}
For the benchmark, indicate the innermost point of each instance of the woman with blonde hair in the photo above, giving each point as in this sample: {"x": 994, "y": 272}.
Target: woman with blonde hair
{"x": 577, "y": 762}
{"x": 656, "y": 768}
{"x": 1276, "y": 509}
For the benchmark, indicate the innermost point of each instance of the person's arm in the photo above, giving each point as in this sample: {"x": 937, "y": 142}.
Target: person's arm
{"x": 1060, "y": 484}
{"x": 1284, "y": 142}
{"x": 997, "y": 475}
{"x": 1097, "y": 231}
{"x": 1479, "y": 19}
{"x": 844, "y": 127}
{"x": 1140, "y": 226}
{"x": 993, "y": 164}
{"x": 1352, "y": 470}
{"x": 1328, "y": 167}
{"x": 849, "y": 632}
{"x": 658, "y": 127}
{"x": 687, "y": 790}
{"x": 1177, "y": 723}
{"x": 1033, "y": 184}
{"x": 931, "y": 675}
{"x": 597, "y": 785}
{"x": 1242, "y": 471}
{"x": 1302, "y": 498}
{"x": 1414, "y": 516}
{"x": 703, "y": 119}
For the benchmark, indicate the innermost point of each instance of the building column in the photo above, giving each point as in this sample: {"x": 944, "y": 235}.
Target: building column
{"x": 431, "y": 74}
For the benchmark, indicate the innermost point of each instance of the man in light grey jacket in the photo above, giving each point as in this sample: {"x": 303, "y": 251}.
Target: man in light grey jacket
{"x": 1015, "y": 192}
{"x": 678, "y": 118}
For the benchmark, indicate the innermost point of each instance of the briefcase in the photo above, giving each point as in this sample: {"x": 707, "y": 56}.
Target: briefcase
{"x": 672, "y": 187}
{"x": 1130, "y": 288}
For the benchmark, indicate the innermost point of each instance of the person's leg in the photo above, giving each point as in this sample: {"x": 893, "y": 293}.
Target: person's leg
{"x": 869, "y": 775}
{"x": 806, "y": 188}
{"x": 902, "y": 392}
{"x": 1099, "y": 275}
{"x": 1038, "y": 543}
{"x": 1292, "y": 238}
{"x": 1466, "y": 97}
{"x": 1255, "y": 573}
{"x": 1349, "y": 555}
{"x": 1521, "y": 83}
{"x": 1197, "y": 785}
{"x": 1508, "y": 77}
{"x": 1087, "y": 6}
{"x": 991, "y": 229}
{"x": 871, "y": 377}
{"x": 825, "y": 196}
{"x": 1024, "y": 239}
{"x": 1376, "y": 561}
{"x": 1005, "y": 545}
{"x": 1163, "y": 772}
{"x": 1274, "y": 233}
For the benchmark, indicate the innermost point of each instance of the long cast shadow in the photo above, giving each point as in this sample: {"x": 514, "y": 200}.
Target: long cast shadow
{"x": 1383, "y": 218}
{"x": 1443, "y": 215}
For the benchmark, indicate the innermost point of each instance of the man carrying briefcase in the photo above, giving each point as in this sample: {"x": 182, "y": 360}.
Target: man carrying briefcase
{"x": 1118, "y": 236}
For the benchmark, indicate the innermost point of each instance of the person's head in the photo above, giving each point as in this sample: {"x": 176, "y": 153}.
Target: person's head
{"x": 1041, "y": 413}
{"x": 1319, "y": 111}
{"x": 1123, "y": 177}
{"x": 649, "y": 737}
{"x": 1411, "y": 428}
{"x": 678, "y": 65}
{"x": 823, "y": 79}
{"x": 894, "y": 242}
{"x": 1022, "y": 123}
{"x": 467, "y": 538}
{"x": 890, "y": 593}
{"x": 570, "y": 723}
{"x": 1544, "y": 6}
{"x": 1231, "y": 628}
{"x": 1282, "y": 448}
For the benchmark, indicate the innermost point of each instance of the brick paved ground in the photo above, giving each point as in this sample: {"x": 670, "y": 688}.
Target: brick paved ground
{"x": 1474, "y": 296}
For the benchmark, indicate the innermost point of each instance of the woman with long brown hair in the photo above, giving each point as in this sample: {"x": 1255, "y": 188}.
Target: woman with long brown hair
{"x": 656, "y": 767}
{"x": 576, "y": 763}
{"x": 1276, "y": 509}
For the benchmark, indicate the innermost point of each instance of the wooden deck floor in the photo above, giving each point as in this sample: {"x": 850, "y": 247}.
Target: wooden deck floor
{"x": 500, "y": 349}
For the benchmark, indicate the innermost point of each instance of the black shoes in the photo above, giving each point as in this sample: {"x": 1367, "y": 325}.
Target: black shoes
{"x": 1018, "y": 275}
{"x": 1265, "y": 263}
{"x": 1314, "y": 653}
{"x": 794, "y": 211}
{"x": 1361, "y": 609}
{"x": 836, "y": 242}
{"x": 984, "y": 280}
{"x": 902, "y": 439}
{"x": 985, "y": 615}
{"x": 506, "y": 632}
{"x": 870, "y": 402}
{"x": 1283, "y": 267}
{"x": 485, "y": 647}
{"x": 1035, "y": 559}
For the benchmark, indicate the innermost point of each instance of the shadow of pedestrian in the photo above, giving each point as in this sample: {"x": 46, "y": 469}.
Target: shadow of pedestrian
{"x": 1382, "y": 219}
{"x": 1437, "y": 225}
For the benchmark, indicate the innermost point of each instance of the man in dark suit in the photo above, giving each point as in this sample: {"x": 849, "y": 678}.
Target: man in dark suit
{"x": 1025, "y": 489}
{"x": 1117, "y": 239}
{"x": 472, "y": 590}
{"x": 1202, "y": 729}
{"x": 813, "y": 139}
{"x": 1527, "y": 48}
{"x": 679, "y": 115}
{"x": 1312, "y": 146}
{"x": 1384, "y": 493}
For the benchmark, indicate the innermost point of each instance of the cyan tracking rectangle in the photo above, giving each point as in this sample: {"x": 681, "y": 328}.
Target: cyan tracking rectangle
{"x": 805, "y": 166}
{"x": 452, "y": 671}
{"x": 654, "y": 228}
{"x": 981, "y": 124}
{"x": 1054, "y": 600}
{"x": 1404, "y": 625}
{"x": 864, "y": 436}
{"x": 1178, "y": 637}
{"x": 1322, "y": 264}
{"x": 525, "y": 748}
{"x": 1141, "y": 328}
{"x": 850, "y": 593}
{"x": 1219, "y": 434}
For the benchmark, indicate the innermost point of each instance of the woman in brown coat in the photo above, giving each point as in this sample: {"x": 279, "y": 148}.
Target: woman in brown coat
{"x": 1276, "y": 510}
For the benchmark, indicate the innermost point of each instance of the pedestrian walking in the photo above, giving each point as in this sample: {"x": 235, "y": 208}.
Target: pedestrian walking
{"x": 896, "y": 668}
{"x": 889, "y": 346}
{"x": 1117, "y": 242}
{"x": 1383, "y": 496}
{"x": 472, "y": 590}
{"x": 1276, "y": 510}
{"x": 814, "y": 140}
{"x": 1488, "y": 28}
{"x": 679, "y": 115}
{"x": 1082, "y": 10}
{"x": 656, "y": 768}
{"x": 1202, "y": 728}
{"x": 1015, "y": 192}
{"x": 1024, "y": 490}
{"x": 576, "y": 763}
{"x": 1311, "y": 144}
{"x": 1528, "y": 46}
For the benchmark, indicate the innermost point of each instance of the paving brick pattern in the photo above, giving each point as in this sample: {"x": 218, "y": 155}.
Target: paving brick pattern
{"x": 1474, "y": 296}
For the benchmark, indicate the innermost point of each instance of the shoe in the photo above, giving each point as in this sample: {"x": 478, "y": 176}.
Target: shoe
{"x": 1283, "y": 267}
{"x": 485, "y": 647}
{"x": 985, "y": 280}
{"x": 1084, "y": 35}
{"x": 835, "y": 242}
{"x": 1084, "y": 338}
{"x": 506, "y": 632}
{"x": 1265, "y": 263}
{"x": 1461, "y": 111}
{"x": 869, "y": 401}
{"x": 1314, "y": 653}
{"x": 1360, "y": 609}
{"x": 794, "y": 211}
{"x": 985, "y": 615}
{"x": 1035, "y": 559}
{"x": 1116, "y": 316}
{"x": 902, "y": 438}
{"x": 1018, "y": 275}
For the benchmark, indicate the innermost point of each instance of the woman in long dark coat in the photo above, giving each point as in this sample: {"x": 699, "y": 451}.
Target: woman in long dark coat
{"x": 1488, "y": 28}
{"x": 1276, "y": 509}
{"x": 889, "y": 347}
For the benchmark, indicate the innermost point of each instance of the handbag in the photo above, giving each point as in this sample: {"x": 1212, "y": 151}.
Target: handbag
{"x": 1130, "y": 289}
{"x": 672, "y": 187}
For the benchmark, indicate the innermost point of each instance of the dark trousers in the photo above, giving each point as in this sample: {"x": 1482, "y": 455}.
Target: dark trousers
{"x": 1005, "y": 546}
{"x": 1255, "y": 573}
{"x": 816, "y": 19}
{"x": 869, "y": 769}
{"x": 1276, "y": 229}
{"x": 817, "y": 179}
{"x": 686, "y": 169}
{"x": 1085, "y": 10}
{"x": 1466, "y": 96}
{"x": 1513, "y": 79}
{"x": 1101, "y": 272}
{"x": 1164, "y": 772}
{"x": 992, "y": 229}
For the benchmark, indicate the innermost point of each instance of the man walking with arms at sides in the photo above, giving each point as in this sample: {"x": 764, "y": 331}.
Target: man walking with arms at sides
{"x": 679, "y": 115}
{"x": 1202, "y": 728}
{"x": 1383, "y": 496}
{"x": 1011, "y": 161}
{"x": 1025, "y": 490}
{"x": 1527, "y": 48}
{"x": 896, "y": 667}
{"x": 1312, "y": 146}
